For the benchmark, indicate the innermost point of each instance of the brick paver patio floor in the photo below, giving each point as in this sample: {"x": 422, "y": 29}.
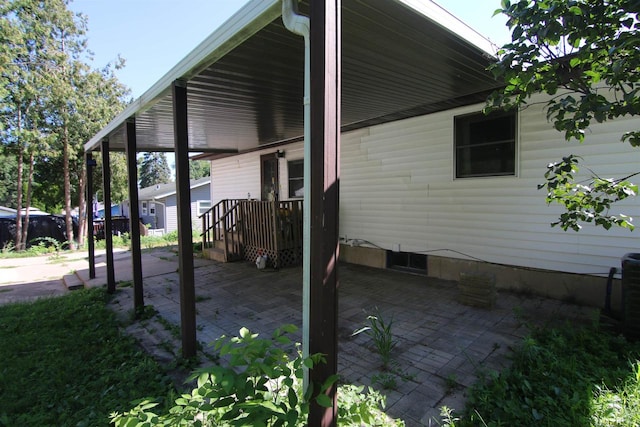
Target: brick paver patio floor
{"x": 442, "y": 345}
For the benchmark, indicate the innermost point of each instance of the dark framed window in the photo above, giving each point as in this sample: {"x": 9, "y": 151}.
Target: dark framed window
{"x": 485, "y": 145}
{"x": 296, "y": 178}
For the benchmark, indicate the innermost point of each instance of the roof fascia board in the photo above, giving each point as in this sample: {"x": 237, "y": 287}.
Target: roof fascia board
{"x": 254, "y": 16}
{"x": 440, "y": 16}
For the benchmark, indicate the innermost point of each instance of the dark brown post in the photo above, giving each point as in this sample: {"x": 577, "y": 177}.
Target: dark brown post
{"x": 91, "y": 164}
{"x": 134, "y": 216}
{"x": 325, "y": 176}
{"x": 185, "y": 244}
{"x": 108, "y": 229}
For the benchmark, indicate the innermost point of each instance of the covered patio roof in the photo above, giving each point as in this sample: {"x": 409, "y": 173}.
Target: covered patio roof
{"x": 400, "y": 58}
{"x": 242, "y": 89}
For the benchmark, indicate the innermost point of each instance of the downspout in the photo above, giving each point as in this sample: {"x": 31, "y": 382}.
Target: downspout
{"x": 299, "y": 24}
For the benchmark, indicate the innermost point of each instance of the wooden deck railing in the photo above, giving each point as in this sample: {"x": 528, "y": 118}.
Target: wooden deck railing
{"x": 249, "y": 228}
{"x": 222, "y": 223}
{"x": 273, "y": 229}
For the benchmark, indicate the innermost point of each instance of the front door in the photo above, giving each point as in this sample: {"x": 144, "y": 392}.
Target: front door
{"x": 269, "y": 177}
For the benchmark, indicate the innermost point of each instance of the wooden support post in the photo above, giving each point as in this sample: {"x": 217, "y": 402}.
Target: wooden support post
{"x": 91, "y": 164}
{"x": 108, "y": 229}
{"x": 185, "y": 244}
{"x": 325, "y": 173}
{"x": 134, "y": 216}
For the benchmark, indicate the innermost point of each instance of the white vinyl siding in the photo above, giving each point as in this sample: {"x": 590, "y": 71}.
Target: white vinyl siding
{"x": 397, "y": 186}
{"x": 238, "y": 176}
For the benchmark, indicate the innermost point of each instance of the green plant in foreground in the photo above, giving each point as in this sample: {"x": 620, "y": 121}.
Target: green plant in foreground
{"x": 619, "y": 407}
{"x": 561, "y": 376}
{"x": 380, "y": 331}
{"x": 66, "y": 362}
{"x": 258, "y": 385}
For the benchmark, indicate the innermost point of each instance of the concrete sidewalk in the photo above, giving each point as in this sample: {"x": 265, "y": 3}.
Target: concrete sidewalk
{"x": 23, "y": 279}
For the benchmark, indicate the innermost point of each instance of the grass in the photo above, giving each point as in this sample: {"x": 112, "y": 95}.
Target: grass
{"x": 65, "y": 362}
{"x": 562, "y": 377}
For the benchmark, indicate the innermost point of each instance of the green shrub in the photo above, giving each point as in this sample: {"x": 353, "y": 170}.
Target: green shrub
{"x": 564, "y": 377}
{"x": 261, "y": 385}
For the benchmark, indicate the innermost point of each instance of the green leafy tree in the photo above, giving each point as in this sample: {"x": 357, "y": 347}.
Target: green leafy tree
{"x": 52, "y": 102}
{"x": 119, "y": 183}
{"x": 199, "y": 169}
{"x": 28, "y": 59}
{"x": 585, "y": 55}
{"x": 154, "y": 169}
{"x": 8, "y": 189}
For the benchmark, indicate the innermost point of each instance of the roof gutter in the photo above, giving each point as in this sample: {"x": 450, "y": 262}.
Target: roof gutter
{"x": 300, "y": 25}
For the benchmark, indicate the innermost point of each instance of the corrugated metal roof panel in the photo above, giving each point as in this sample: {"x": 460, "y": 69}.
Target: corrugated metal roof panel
{"x": 245, "y": 82}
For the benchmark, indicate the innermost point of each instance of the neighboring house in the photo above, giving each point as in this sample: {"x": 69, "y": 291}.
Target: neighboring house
{"x": 116, "y": 210}
{"x": 157, "y": 205}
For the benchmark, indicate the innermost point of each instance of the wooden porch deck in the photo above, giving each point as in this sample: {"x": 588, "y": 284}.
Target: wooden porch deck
{"x": 236, "y": 229}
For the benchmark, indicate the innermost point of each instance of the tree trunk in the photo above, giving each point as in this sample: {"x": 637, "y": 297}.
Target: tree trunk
{"x": 67, "y": 186}
{"x": 19, "y": 189}
{"x": 25, "y": 229}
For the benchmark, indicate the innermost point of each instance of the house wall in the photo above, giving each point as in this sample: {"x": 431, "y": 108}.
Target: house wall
{"x": 398, "y": 190}
{"x": 238, "y": 177}
{"x": 198, "y": 194}
{"x": 171, "y": 213}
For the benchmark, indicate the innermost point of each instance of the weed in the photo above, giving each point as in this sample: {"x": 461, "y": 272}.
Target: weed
{"x": 386, "y": 380}
{"x": 173, "y": 329}
{"x": 451, "y": 383}
{"x": 562, "y": 376}
{"x": 201, "y": 298}
{"x": 448, "y": 420}
{"x": 380, "y": 331}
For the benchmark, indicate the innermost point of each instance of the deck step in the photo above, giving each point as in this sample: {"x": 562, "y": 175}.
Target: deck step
{"x": 215, "y": 254}
{"x": 72, "y": 281}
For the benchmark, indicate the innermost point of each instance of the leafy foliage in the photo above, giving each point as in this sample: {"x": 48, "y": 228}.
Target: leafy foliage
{"x": 261, "y": 385}
{"x": 199, "y": 169}
{"x": 119, "y": 183}
{"x": 584, "y": 55}
{"x": 154, "y": 169}
{"x": 568, "y": 376}
{"x": 51, "y": 102}
{"x": 8, "y": 188}
{"x": 589, "y": 202}
{"x": 65, "y": 362}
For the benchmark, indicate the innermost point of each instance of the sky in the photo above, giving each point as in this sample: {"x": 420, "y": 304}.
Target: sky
{"x": 154, "y": 35}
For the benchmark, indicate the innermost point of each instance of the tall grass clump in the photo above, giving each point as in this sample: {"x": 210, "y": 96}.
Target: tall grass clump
{"x": 65, "y": 362}
{"x": 569, "y": 376}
